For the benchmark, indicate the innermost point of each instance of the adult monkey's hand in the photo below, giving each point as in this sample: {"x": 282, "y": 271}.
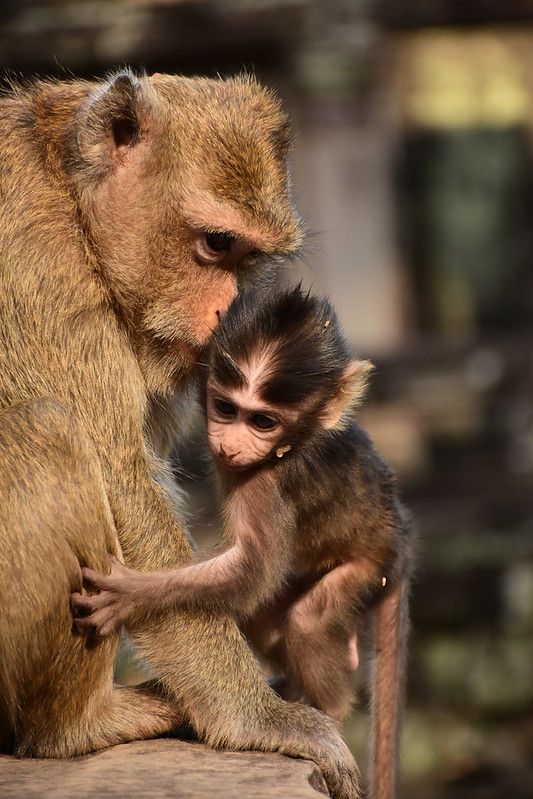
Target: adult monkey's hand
{"x": 130, "y": 210}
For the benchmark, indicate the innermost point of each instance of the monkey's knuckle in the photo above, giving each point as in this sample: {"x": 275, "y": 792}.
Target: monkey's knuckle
{"x": 97, "y": 620}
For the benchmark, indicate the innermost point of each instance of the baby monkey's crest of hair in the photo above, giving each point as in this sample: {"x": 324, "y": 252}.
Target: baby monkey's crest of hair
{"x": 299, "y": 335}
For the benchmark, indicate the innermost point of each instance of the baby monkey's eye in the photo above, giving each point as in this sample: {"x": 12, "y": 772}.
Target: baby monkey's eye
{"x": 219, "y": 242}
{"x": 224, "y": 407}
{"x": 263, "y": 422}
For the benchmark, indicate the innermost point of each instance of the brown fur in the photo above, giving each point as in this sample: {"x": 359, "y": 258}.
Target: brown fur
{"x": 107, "y": 190}
{"x": 314, "y": 539}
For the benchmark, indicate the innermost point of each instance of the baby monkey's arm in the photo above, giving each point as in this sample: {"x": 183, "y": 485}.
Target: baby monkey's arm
{"x": 127, "y": 596}
{"x": 236, "y": 581}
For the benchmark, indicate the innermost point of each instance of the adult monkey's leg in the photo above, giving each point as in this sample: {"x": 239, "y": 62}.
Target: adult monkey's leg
{"x": 56, "y": 692}
{"x": 229, "y": 701}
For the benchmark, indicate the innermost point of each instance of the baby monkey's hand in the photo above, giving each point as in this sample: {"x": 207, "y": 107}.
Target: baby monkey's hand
{"x": 120, "y": 593}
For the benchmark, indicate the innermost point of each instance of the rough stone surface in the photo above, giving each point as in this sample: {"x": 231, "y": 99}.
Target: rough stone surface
{"x": 160, "y": 769}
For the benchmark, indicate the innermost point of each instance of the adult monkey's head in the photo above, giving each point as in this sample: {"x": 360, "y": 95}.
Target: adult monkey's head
{"x": 182, "y": 187}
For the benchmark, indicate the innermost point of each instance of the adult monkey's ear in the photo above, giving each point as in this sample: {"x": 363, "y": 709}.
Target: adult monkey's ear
{"x": 350, "y": 392}
{"x": 113, "y": 122}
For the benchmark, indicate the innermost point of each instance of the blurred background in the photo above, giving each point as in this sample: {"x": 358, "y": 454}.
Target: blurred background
{"x": 413, "y": 167}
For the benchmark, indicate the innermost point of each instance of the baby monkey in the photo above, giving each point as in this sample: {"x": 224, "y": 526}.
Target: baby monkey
{"x": 315, "y": 531}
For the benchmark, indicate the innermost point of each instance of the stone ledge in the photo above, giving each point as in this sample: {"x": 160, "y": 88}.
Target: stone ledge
{"x": 162, "y": 769}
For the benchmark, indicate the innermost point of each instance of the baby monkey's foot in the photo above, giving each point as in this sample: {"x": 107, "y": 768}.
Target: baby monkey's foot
{"x": 104, "y": 612}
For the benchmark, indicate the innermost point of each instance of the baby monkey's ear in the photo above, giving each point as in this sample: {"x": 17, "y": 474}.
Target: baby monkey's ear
{"x": 350, "y": 392}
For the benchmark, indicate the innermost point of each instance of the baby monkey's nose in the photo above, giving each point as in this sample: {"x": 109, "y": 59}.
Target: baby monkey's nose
{"x": 226, "y": 455}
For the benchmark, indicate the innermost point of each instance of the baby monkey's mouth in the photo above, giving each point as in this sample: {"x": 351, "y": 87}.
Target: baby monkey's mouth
{"x": 227, "y": 461}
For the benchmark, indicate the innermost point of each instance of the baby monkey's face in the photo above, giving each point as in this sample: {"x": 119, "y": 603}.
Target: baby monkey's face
{"x": 242, "y": 429}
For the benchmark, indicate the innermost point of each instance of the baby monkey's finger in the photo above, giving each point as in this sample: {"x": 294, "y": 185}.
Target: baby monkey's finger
{"x": 78, "y": 604}
{"x": 90, "y": 625}
{"x": 82, "y": 604}
{"x": 84, "y": 622}
{"x": 94, "y": 579}
{"x": 118, "y": 569}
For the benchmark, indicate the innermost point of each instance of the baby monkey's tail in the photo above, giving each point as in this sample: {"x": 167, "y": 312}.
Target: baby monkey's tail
{"x": 387, "y": 689}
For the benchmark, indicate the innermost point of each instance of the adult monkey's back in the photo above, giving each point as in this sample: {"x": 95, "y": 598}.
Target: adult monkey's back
{"x": 115, "y": 256}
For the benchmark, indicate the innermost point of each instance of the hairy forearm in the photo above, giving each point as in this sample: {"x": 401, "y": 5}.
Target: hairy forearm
{"x": 233, "y": 582}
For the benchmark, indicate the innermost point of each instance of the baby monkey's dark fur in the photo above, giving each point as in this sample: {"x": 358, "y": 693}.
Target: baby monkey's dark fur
{"x": 317, "y": 533}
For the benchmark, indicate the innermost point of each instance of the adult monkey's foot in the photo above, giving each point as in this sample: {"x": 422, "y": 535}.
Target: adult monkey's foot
{"x": 301, "y": 731}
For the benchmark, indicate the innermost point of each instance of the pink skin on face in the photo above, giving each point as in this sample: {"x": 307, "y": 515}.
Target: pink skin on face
{"x": 241, "y": 431}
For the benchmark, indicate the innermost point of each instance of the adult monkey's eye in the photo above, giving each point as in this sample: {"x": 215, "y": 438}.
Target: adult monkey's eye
{"x": 224, "y": 407}
{"x": 213, "y": 247}
{"x": 219, "y": 242}
{"x": 263, "y": 422}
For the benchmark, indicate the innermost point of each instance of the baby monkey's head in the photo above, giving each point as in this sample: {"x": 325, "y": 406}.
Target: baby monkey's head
{"x": 280, "y": 372}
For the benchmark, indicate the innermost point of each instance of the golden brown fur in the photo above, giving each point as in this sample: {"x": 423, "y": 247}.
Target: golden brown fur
{"x": 107, "y": 192}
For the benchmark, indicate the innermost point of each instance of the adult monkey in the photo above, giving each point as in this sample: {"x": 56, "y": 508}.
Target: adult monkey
{"x": 129, "y": 210}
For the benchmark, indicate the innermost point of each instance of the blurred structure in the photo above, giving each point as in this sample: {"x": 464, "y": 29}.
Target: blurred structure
{"x": 413, "y": 167}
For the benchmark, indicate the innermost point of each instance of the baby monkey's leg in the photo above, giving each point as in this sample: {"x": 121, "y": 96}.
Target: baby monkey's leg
{"x": 320, "y": 636}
